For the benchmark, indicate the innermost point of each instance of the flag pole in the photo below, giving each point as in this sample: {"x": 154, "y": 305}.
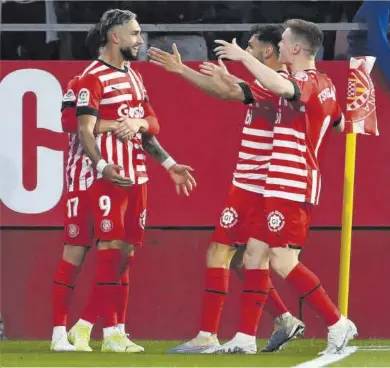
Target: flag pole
{"x": 347, "y": 218}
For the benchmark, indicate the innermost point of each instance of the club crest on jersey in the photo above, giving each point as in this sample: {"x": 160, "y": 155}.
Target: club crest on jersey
{"x": 142, "y": 219}
{"x": 136, "y": 112}
{"x": 83, "y": 98}
{"x": 276, "y": 221}
{"x": 69, "y": 96}
{"x": 106, "y": 225}
{"x": 73, "y": 230}
{"x": 229, "y": 217}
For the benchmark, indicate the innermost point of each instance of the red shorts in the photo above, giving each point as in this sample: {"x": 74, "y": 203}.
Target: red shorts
{"x": 241, "y": 218}
{"x": 287, "y": 222}
{"x": 118, "y": 213}
{"x": 78, "y": 219}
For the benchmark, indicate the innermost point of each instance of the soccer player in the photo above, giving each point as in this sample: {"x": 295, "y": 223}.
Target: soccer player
{"x": 238, "y": 221}
{"x": 308, "y": 108}
{"x": 78, "y": 224}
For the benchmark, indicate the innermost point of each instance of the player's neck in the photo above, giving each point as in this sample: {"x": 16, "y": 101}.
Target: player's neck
{"x": 276, "y": 65}
{"x": 303, "y": 64}
{"x": 112, "y": 59}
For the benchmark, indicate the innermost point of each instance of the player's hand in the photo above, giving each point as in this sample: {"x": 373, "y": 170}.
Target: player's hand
{"x": 229, "y": 51}
{"x": 219, "y": 72}
{"x": 212, "y": 69}
{"x": 127, "y": 128}
{"x": 111, "y": 173}
{"x": 170, "y": 62}
{"x": 181, "y": 176}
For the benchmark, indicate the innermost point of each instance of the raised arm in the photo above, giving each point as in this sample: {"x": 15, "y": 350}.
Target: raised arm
{"x": 173, "y": 64}
{"x": 268, "y": 77}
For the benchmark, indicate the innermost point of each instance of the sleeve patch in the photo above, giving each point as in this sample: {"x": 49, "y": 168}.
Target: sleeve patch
{"x": 69, "y": 96}
{"x": 83, "y": 97}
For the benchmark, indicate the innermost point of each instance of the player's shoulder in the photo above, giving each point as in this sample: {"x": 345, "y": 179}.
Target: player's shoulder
{"x": 73, "y": 82}
{"x": 133, "y": 69}
{"x": 94, "y": 72}
{"x": 305, "y": 75}
{"x": 71, "y": 90}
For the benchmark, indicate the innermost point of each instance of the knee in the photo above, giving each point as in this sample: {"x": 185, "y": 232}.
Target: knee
{"x": 283, "y": 264}
{"x": 256, "y": 256}
{"x": 219, "y": 255}
{"x": 74, "y": 254}
{"x": 127, "y": 250}
{"x": 237, "y": 262}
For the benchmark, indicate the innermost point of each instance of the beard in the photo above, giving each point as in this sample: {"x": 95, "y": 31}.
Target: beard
{"x": 127, "y": 54}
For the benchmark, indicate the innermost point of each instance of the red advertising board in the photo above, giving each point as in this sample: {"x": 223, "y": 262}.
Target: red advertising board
{"x": 196, "y": 129}
{"x": 167, "y": 281}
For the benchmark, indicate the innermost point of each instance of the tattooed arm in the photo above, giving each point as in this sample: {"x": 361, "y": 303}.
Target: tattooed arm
{"x": 152, "y": 146}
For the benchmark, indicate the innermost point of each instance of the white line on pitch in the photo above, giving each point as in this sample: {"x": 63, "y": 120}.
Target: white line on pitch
{"x": 326, "y": 359}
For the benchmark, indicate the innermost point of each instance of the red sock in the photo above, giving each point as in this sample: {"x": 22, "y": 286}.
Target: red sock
{"x": 124, "y": 291}
{"x": 254, "y": 297}
{"x": 103, "y": 300}
{"x": 274, "y": 306}
{"x": 62, "y": 291}
{"x": 217, "y": 286}
{"x": 308, "y": 286}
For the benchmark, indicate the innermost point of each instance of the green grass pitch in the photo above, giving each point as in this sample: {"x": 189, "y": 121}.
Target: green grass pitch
{"x": 370, "y": 353}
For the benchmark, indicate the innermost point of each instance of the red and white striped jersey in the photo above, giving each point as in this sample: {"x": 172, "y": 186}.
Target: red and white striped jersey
{"x": 110, "y": 93}
{"x": 257, "y": 135}
{"x": 294, "y": 172}
{"x": 79, "y": 173}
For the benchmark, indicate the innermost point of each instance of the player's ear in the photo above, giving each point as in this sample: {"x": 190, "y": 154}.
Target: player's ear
{"x": 269, "y": 51}
{"x": 114, "y": 37}
{"x": 296, "y": 48}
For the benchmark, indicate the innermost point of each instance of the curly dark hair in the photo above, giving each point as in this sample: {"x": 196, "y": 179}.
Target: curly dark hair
{"x": 270, "y": 33}
{"x": 112, "y": 18}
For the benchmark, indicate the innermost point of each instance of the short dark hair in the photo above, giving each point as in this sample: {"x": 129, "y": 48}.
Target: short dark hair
{"x": 112, "y": 18}
{"x": 93, "y": 41}
{"x": 308, "y": 32}
{"x": 271, "y": 33}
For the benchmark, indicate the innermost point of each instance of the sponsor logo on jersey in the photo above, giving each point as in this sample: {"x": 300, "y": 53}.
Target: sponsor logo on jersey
{"x": 136, "y": 112}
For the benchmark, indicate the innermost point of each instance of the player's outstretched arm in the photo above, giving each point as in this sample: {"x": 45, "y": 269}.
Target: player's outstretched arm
{"x": 269, "y": 78}
{"x": 173, "y": 64}
{"x": 153, "y": 147}
{"x": 180, "y": 174}
{"x": 225, "y": 84}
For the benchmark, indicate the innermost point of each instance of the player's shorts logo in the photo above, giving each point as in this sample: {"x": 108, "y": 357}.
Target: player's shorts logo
{"x": 142, "y": 219}
{"x": 106, "y": 225}
{"x": 276, "y": 221}
{"x": 73, "y": 230}
{"x": 229, "y": 217}
{"x": 83, "y": 98}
